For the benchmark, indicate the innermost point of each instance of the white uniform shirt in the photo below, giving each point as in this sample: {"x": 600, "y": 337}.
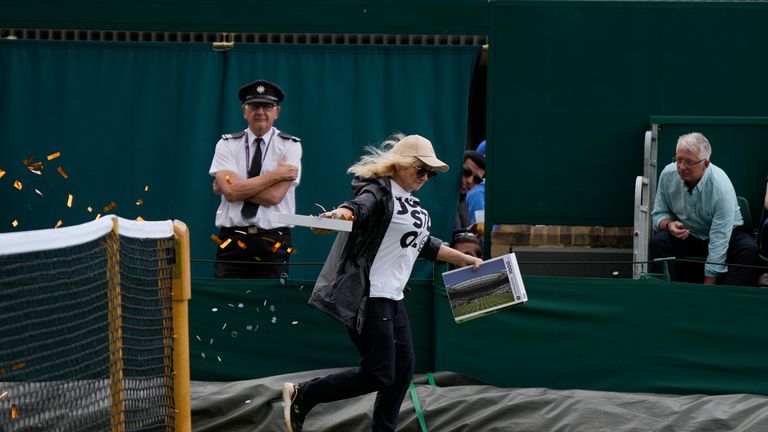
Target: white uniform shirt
{"x": 231, "y": 155}
{"x": 404, "y": 239}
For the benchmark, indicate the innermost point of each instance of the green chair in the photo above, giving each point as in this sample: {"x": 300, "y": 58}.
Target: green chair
{"x": 746, "y": 214}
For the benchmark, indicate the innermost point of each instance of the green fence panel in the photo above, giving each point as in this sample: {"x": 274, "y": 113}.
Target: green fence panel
{"x": 244, "y": 329}
{"x": 615, "y": 335}
{"x": 572, "y": 84}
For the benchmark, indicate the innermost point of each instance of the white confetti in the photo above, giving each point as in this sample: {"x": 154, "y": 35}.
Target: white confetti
{"x": 240, "y": 305}
{"x": 271, "y": 308}
{"x": 198, "y": 338}
{"x": 215, "y": 310}
{"x": 234, "y": 334}
{"x": 294, "y": 322}
{"x": 248, "y": 401}
{"x": 225, "y": 326}
{"x": 219, "y": 358}
{"x": 211, "y": 342}
{"x": 265, "y": 302}
{"x": 249, "y": 327}
{"x": 231, "y": 305}
{"x": 274, "y": 319}
{"x": 202, "y": 355}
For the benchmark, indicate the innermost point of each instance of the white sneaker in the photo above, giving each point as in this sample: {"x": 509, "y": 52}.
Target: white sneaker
{"x": 763, "y": 280}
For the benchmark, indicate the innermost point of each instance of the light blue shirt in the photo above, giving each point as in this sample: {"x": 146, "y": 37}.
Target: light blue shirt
{"x": 476, "y": 200}
{"x": 710, "y": 211}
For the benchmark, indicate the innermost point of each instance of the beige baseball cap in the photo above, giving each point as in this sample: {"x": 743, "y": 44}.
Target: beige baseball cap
{"x": 420, "y": 148}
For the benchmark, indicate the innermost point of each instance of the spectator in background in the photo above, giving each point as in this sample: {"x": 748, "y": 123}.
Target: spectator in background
{"x": 763, "y": 281}
{"x": 473, "y": 171}
{"x": 476, "y": 195}
{"x": 696, "y": 213}
{"x": 467, "y": 243}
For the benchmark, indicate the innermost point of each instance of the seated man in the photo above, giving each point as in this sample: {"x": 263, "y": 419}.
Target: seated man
{"x": 696, "y": 214}
{"x": 467, "y": 243}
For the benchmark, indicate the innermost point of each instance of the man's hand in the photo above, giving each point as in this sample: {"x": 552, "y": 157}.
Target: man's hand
{"x": 678, "y": 230}
{"x": 286, "y": 171}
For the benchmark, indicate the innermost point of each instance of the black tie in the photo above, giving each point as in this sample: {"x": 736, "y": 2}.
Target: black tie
{"x": 249, "y": 209}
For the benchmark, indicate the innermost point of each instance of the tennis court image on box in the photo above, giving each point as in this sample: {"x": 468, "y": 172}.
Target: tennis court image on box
{"x": 495, "y": 286}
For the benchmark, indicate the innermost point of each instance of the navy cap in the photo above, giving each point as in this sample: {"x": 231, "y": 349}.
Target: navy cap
{"x": 261, "y": 91}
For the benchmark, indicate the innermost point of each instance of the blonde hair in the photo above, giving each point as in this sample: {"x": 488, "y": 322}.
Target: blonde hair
{"x": 380, "y": 161}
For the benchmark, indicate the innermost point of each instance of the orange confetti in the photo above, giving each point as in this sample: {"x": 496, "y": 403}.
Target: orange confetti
{"x": 215, "y": 238}
{"x": 110, "y": 206}
{"x": 97, "y": 216}
{"x": 15, "y": 223}
{"x": 17, "y": 184}
{"x": 139, "y": 202}
{"x": 58, "y": 224}
{"x": 14, "y": 412}
{"x": 146, "y": 188}
{"x": 27, "y": 160}
{"x": 291, "y": 250}
{"x": 18, "y": 366}
{"x": 276, "y": 247}
{"x": 229, "y": 182}
{"x": 140, "y": 219}
{"x": 61, "y": 171}
{"x": 54, "y": 155}
{"x": 35, "y": 165}
{"x": 241, "y": 244}
{"x": 69, "y": 201}
{"x": 225, "y": 244}
{"x": 90, "y": 210}
{"x": 2, "y": 173}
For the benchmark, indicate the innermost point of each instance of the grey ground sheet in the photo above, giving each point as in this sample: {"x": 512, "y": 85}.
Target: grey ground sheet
{"x": 461, "y": 404}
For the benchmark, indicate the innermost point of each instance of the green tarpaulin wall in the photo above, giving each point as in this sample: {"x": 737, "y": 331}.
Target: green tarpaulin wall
{"x": 129, "y": 115}
{"x": 596, "y": 334}
{"x": 572, "y": 85}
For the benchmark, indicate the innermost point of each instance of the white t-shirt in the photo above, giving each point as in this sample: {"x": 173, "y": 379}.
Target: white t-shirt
{"x": 231, "y": 155}
{"x": 404, "y": 239}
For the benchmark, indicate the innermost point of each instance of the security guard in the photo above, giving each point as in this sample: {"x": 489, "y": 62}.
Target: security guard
{"x": 256, "y": 172}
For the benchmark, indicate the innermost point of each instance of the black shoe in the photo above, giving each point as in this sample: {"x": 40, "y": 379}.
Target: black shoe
{"x": 292, "y": 409}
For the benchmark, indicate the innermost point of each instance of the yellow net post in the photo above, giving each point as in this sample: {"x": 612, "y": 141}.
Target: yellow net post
{"x": 116, "y": 383}
{"x": 182, "y": 292}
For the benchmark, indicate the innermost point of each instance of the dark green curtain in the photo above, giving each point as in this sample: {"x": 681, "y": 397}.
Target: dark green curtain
{"x": 126, "y": 116}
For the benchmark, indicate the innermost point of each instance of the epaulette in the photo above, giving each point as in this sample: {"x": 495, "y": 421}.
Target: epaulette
{"x": 289, "y": 136}
{"x": 233, "y": 135}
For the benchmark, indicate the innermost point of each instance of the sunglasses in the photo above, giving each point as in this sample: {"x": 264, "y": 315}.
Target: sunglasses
{"x": 421, "y": 172}
{"x": 468, "y": 173}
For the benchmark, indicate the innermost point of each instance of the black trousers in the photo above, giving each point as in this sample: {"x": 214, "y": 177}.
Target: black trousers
{"x": 386, "y": 365}
{"x": 256, "y": 257}
{"x": 742, "y": 249}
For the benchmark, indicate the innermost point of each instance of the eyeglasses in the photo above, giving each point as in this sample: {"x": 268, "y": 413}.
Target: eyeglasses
{"x": 421, "y": 172}
{"x": 468, "y": 173}
{"x": 266, "y": 106}
{"x": 687, "y": 162}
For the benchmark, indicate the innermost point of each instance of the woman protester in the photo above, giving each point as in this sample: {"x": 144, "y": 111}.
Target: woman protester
{"x": 363, "y": 279}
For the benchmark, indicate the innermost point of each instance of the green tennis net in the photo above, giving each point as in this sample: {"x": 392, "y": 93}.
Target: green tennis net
{"x": 86, "y": 331}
